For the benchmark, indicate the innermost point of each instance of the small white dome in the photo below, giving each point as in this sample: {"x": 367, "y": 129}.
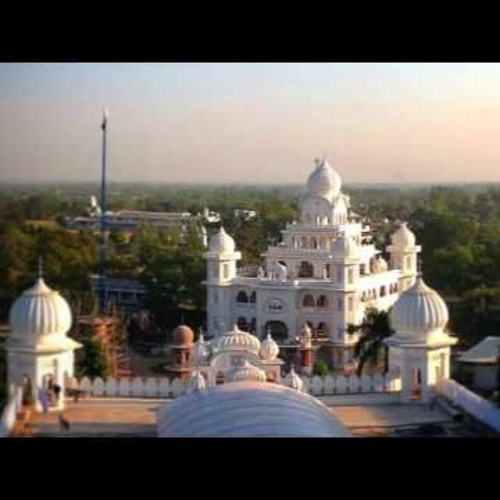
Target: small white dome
{"x": 419, "y": 311}
{"x": 246, "y": 371}
{"x": 403, "y": 237}
{"x": 344, "y": 247}
{"x": 221, "y": 242}
{"x": 237, "y": 340}
{"x": 294, "y": 381}
{"x": 40, "y": 311}
{"x": 197, "y": 382}
{"x": 269, "y": 349}
{"x": 324, "y": 182}
{"x": 200, "y": 350}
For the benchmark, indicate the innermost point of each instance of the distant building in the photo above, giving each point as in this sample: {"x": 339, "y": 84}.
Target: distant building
{"x": 126, "y": 294}
{"x": 245, "y": 215}
{"x": 479, "y": 365}
{"x": 210, "y": 216}
{"x": 128, "y": 221}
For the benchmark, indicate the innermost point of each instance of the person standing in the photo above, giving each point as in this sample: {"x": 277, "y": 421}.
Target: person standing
{"x": 44, "y": 400}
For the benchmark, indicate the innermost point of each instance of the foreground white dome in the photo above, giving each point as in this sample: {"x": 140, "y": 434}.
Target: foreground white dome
{"x": 248, "y": 409}
{"x": 40, "y": 311}
{"x": 419, "y": 311}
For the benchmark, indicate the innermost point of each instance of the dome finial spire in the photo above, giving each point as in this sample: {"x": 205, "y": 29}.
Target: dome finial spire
{"x": 40, "y": 267}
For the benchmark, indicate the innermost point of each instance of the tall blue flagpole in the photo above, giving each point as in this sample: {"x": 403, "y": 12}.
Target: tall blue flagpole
{"x": 102, "y": 220}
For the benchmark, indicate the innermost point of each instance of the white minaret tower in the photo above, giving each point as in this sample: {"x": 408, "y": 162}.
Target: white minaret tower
{"x": 345, "y": 273}
{"x": 419, "y": 351}
{"x": 39, "y": 352}
{"x": 221, "y": 260}
{"x": 403, "y": 251}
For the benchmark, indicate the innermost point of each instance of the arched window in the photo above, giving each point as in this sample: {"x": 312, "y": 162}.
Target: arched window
{"x": 322, "y": 302}
{"x": 252, "y": 326}
{"x": 327, "y": 271}
{"x": 253, "y": 297}
{"x": 308, "y": 301}
{"x": 314, "y": 243}
{"x": 322, "y": 331}
{"x": 278, "y": 329}
{"x": 383, "y": 291}
{"x": 306, "y": 270}
{"x": 220, "y": 378}
{"x": 242, "y": 323}
{"x": 242, "y": 297}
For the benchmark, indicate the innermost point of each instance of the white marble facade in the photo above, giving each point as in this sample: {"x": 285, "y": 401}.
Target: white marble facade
{"x": 325, "y": 272}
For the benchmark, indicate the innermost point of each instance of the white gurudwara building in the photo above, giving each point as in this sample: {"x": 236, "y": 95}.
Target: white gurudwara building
{"x": 325, "y": 272}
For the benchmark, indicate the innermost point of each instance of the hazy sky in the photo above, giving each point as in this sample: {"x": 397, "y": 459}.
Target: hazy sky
{"x": 258, "y": 123}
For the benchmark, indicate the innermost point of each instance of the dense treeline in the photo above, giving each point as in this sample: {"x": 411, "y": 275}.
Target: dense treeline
{"x": 458, "y": 227}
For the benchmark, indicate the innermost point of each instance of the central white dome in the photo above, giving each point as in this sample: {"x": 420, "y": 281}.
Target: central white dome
{"x": 221, "y": 242}
{"x": 419, "y": 311}
{"x": 40, "y": 311}
{"x": 237, "y": 340}
{"x": 324, "y": 182}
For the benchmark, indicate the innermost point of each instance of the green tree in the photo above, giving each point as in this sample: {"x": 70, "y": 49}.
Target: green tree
{"x": 320, "y": 368}
{"x": 373, "y": 330}
{"x": 94, "y": 362}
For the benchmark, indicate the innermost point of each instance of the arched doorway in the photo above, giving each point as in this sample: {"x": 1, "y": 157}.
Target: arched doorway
{"x": 308, "y": 301}
{"x": 278, "y": 329}
{"x": 322, "y": 331}
{"x": 416, "y": 388}
{"x": 27, "y": 390}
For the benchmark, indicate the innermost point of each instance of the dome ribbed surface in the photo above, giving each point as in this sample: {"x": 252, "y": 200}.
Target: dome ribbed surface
{"x": 419, "y": 310}
{"x": 237, "y": 340}
{"x": 248, "y": 409}
{"x": 40, "y": 311}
